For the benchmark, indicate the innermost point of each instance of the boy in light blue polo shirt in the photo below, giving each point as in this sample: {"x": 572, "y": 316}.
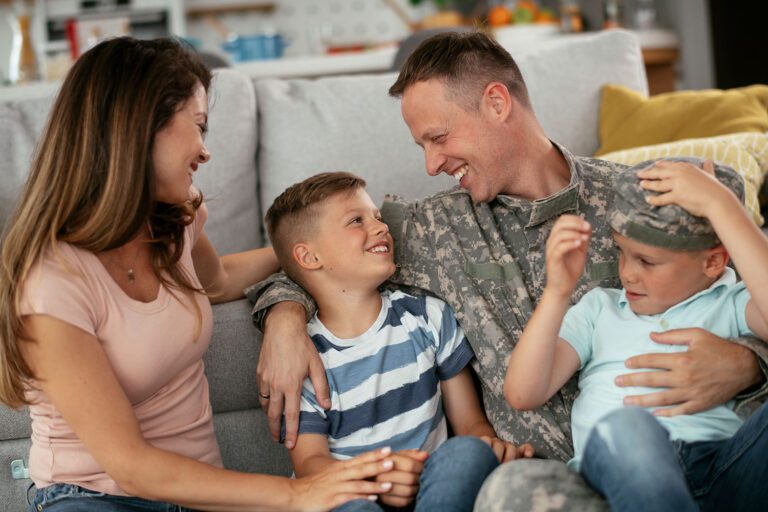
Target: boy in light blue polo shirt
{"x": 675, "y": 226}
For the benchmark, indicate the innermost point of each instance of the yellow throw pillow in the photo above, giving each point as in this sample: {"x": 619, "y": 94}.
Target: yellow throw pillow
{"x": 746, "y": 153}
{"x": 628, "y": 119}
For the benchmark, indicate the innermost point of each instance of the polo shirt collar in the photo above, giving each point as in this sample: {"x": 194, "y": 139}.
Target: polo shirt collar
{"x": 728, "y": 278}
{"x": 565, "y": 200}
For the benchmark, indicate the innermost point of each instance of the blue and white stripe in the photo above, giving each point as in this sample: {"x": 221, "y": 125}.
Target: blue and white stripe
{"x": 385, "y": 383}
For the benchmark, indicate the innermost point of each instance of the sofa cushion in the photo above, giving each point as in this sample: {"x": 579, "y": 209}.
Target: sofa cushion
{"x": 565, "y": 76}
{"x": 245, "y": 444}
{"x": 21, "y": 123}
{"x": 746, "y": 153}
{"x": 344, "y": 123}
{"x": 229, "y": 181}
{"x": 350, "y": 123}
{"x": 230, "y": 361}
{"x": 629, "y": 119}
{"x": 13, "y": 492}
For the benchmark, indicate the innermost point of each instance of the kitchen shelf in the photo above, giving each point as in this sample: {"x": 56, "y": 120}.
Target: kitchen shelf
{"x": 204, "y": 8}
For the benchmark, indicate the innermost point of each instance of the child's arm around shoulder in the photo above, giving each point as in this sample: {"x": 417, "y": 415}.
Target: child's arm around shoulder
{"x": 542, "y": 362}
{"x": 701, "y": 194}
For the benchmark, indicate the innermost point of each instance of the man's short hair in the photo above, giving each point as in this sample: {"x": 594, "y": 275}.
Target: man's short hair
{"x": 293, "y": 216}
{"x": 466, "y": 62}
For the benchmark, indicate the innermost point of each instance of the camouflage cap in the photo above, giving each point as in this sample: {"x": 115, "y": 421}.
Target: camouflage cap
{"x": 669, "y": 226}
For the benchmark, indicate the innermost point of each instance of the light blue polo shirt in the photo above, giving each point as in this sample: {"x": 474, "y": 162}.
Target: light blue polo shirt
{"x": 604, "y": 331}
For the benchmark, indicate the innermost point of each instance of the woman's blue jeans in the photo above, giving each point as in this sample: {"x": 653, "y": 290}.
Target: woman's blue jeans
{"x": 630, "y": 459}
{"x": 72, "y": 498}
{"x": 450, "y": 481}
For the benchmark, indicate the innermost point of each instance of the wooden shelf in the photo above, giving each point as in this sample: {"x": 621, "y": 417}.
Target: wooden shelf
{"x": 204, "y": 8}
{"x": 660, "y": 69}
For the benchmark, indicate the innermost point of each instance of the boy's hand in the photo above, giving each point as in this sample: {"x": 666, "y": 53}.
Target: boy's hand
{"x": 567, "y": 253}
{"x": 404, "y": 476}
{"x": 506, "y": 451}
{"x": 682, "y": 183}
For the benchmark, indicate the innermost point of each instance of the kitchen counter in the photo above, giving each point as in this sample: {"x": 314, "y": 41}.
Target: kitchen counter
{"x": 368, "y": 61}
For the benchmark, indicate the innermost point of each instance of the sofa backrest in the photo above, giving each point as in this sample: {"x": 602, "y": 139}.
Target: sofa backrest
{"x": 350, "y": 123}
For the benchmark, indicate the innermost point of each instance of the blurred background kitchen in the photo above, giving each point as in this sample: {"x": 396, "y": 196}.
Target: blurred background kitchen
{"x": 687, "y": 44}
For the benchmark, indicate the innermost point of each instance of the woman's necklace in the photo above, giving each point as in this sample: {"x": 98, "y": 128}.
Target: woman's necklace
{"x": 129, "y": 272}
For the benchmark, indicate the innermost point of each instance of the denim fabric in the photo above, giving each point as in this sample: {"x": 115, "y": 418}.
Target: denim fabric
{"x": 630, "y": 459}
{"x": 72, "y": 498}
{"x": 450, "y": 481}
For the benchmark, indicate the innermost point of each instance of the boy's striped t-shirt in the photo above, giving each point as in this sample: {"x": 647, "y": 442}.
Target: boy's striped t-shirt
{"x": 385, "y": 383}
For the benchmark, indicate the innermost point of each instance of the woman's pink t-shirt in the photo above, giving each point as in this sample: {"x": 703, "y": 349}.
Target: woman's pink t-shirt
{"x": 152, "y": 350}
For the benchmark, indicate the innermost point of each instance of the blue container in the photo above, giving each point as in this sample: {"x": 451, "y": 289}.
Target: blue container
{"x": 256, "y": 47}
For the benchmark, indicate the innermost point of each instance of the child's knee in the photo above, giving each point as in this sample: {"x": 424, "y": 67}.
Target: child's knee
{"x": 625, "y": 434}
{"x": 466, "y": 448}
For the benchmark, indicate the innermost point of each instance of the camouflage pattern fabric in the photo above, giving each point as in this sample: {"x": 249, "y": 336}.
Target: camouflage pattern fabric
{"x": 487, "y": 262}
{"x": 669, "y": 226}
{"x": 537, "y": 485}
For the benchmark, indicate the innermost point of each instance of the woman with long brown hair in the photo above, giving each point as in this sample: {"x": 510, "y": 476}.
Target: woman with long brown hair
{"x": 105, "y": 289}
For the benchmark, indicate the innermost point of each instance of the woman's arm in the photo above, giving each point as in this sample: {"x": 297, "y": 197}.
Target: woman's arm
{"x": 74, "y": 372}
{"x": 225, "y": 277}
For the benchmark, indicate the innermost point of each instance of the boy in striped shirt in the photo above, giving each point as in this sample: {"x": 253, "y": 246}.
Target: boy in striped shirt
{"x": 396, "y": 363}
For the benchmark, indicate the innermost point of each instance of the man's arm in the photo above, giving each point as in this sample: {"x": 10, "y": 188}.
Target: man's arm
{"x": 287, "y": 355}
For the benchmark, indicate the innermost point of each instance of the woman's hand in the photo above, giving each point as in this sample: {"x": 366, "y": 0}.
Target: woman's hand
{"x": 343, "y": 481}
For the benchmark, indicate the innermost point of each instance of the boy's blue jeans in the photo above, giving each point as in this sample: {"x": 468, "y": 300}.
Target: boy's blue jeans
{"x": 630, "y": 459}
{"x": 450, "y": 481}
{"x": 72, "y": 498}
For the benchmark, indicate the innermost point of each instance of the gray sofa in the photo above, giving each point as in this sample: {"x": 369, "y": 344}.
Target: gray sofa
{"x": 268, "y": 134}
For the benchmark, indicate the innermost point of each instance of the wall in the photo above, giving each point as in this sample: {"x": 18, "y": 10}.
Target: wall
{"x": 690, "y": 19}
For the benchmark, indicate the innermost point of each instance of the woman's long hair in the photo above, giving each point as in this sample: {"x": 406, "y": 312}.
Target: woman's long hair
{"x": 91, "y": 182}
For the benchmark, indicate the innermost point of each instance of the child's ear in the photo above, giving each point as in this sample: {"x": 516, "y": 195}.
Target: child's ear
{"x": 715, "y": 261}
{"x": 306, "y": 257}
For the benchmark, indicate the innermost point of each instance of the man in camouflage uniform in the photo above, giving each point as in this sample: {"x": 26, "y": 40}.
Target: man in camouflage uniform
{"x": 480, "y": 247}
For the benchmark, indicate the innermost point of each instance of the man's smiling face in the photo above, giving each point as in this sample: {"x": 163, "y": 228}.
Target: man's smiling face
{"x": 459, "y": 142}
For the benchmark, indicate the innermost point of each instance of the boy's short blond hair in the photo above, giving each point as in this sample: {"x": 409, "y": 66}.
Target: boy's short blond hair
{"x": 293, "y": 216}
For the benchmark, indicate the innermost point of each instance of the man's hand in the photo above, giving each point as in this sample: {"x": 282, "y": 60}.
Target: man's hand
{"x": 408, "y": 465}
{"x": 287, "y": 357}
{"x": 506, "y": 451}
{"x": 710, "y": 373}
